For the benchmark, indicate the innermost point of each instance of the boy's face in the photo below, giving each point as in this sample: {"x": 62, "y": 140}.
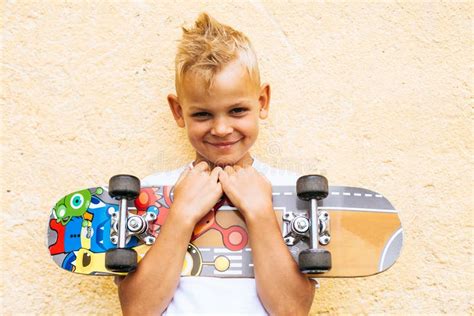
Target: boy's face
{"x": 221, "y": 122}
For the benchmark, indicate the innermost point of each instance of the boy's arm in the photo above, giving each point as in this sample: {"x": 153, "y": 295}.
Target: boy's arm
{"x": 281, "y": 287}
{"x": 150, "y": 289}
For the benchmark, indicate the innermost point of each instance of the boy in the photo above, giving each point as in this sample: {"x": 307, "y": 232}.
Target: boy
{"x": 219, "y": 101}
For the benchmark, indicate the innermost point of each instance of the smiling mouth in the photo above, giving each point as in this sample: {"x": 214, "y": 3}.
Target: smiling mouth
{"x": 224, "y": 144}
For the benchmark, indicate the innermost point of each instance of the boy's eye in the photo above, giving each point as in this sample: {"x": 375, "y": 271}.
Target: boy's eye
{"x": 204, "y": 115}
{"x": 200, "y": 114}
{"x": 239, "y": 110}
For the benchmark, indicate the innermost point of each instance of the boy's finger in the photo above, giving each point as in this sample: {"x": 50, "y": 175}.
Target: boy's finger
{"x": 223, "y": 177}
{"x": 215, "y": 173}
{"x": 229, "y": 170}
{"x": 202, "y": 166}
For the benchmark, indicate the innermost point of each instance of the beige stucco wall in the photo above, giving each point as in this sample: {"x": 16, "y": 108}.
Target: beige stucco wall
{"x": 376, "y": 95}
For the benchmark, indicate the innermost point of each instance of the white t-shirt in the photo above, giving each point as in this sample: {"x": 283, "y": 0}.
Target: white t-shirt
{"x": 218, "y": 296}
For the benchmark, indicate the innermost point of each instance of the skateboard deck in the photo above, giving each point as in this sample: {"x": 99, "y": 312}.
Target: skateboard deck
{"x": 362, "y": 231}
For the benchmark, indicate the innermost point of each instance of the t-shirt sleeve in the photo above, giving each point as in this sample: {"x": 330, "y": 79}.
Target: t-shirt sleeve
{"x": 162, "y": 178}
{"x": 276, "y": 176}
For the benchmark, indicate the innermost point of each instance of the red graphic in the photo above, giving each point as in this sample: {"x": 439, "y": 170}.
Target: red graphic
{"x": 58, "y": 246}
{"x": 234, "y": 237}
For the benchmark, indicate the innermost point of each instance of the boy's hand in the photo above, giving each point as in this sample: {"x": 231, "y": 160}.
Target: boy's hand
{"x": 247, "y": 189}
{"x": 196, "y": 192}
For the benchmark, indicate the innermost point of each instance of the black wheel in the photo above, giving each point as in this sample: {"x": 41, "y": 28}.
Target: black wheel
{"x": 124, "y": 186}
{"x": 312, "y": 261}
{"x": 312, "y": 187}
{"x": 121, "y": 260}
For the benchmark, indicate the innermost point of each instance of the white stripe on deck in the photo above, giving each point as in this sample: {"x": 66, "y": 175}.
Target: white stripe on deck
{"x": 231, "y": 257}
{"x": 224, "y": 250}
{"x": 229, "y": 272}
{"x": 357, "y": 209}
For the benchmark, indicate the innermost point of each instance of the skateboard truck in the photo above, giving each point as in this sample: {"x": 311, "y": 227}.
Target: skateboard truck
{"x": 123, "y": 188}
{"x": 137, "y": 225}
{"x": 314, "y": 260}
{"x": 297, "y": 227}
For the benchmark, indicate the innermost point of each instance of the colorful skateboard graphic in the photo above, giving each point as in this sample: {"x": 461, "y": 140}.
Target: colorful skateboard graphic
{"x": 360, "y": 229}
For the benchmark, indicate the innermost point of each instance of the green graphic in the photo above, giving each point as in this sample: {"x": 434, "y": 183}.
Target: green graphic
{"x": 75, "y": 204}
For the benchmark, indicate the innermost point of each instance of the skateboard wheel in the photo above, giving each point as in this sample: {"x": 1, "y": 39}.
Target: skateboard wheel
{"x": 124, "y": 186}
{"x": 312, "y": 261}
{"x": 312, "y": 187}
{"x": 121, "y": 260}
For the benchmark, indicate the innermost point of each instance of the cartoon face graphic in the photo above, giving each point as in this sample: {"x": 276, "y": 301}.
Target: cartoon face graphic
{"x": 75, "y": 204}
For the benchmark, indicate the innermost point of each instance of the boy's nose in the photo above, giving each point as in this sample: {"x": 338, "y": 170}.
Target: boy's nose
{"x": 221, "y": 127}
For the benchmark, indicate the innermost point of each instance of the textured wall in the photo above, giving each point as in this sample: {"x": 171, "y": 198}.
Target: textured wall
{"x": 376, "y": 95}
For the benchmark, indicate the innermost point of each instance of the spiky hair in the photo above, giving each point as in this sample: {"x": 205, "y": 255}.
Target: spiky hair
{"x": 209, "y": 46}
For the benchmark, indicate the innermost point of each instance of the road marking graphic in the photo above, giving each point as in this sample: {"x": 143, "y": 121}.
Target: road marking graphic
{"x": 224, "y": 250}
{"x": 387, "y": 247}
{"x": 358, "y": 209}
{"x": 228, "y": 272}
{"x": 231, "y": 257}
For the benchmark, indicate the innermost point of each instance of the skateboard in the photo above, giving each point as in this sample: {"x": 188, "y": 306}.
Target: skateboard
{"x": 107, "y": 230}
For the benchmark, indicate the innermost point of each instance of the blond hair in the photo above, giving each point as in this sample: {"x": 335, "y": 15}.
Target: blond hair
{"x": 205, "y": 49}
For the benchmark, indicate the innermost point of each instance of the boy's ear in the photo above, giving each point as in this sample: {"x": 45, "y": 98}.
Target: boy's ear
{"x": 176, "y": 109}
{"x": 264, "y": 101}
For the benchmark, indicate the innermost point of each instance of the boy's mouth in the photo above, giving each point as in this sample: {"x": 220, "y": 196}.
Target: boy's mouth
{"x": 223, "y": 145}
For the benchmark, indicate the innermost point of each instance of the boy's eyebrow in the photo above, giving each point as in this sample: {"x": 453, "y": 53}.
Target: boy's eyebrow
{"x": 197, "y": 108}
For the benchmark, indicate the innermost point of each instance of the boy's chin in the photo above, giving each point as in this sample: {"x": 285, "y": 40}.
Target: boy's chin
{"x": 219, "y": 162}
{"x": 225, "y": 161}
{"x": 222, "y": 163}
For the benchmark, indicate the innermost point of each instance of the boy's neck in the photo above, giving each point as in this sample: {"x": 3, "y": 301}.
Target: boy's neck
{"x": 246, "y": 161}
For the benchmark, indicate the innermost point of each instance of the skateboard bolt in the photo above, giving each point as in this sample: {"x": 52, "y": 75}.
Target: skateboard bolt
{"x": 324, "y": 240}
{"x": 289, "y": 241}
{"x": 301, "y": 225}
{"x": 149, "y": 240}
{"x": 136, "y": 224}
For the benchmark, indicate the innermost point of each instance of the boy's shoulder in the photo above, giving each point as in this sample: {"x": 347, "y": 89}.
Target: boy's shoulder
{"x": 163, "y": 177}
{"x": 274, "y": 175}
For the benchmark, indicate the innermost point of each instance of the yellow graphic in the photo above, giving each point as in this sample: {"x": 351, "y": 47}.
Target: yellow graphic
{"x": 222, "y": 263}
{"x": 88, "y": 262}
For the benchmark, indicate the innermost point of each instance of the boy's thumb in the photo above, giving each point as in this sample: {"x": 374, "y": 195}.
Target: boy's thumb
{"x": 223, "y": 177}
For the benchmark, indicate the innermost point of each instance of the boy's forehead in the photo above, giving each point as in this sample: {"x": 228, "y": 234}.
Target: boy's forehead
{"x": 231, "y": 83}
